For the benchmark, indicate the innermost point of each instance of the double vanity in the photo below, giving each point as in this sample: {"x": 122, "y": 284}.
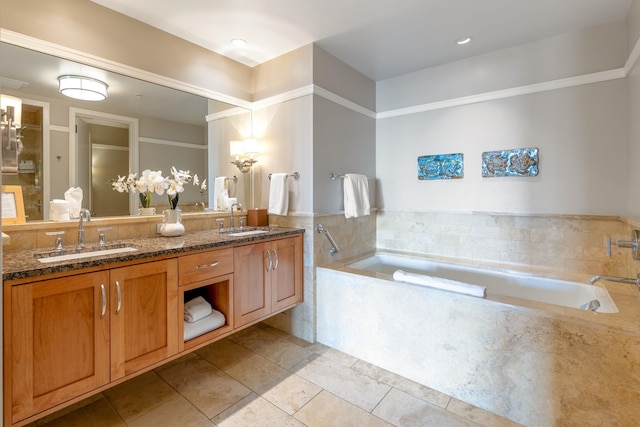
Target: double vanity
{"x": 82, "y": 323}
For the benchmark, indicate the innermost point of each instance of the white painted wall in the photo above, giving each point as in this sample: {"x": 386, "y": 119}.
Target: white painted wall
{"x": 581, "y": 131}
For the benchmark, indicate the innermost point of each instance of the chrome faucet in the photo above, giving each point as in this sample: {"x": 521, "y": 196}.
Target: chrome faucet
{"x": 593, "y": 279}
{"x": 84, "y": 213}
{"x": 231, "y": 221}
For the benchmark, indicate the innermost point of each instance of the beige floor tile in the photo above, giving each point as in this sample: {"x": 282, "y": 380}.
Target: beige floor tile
{"x": 205, "y": 386}
{"x": 477, "y": 415}
{"x": 139, "y": 395}
{"x": 255, "y": 411}
{"x": 258, "y": 373}
{"x": 340, "y": 357}
{"x": 292, "y": 393}
{"x": 404, "y": 410}
{"x": 96, "y": 414}
{"x": 176, "y": 412}
{"x": 420, "y": 391}
{"x": 327, "y": 410}
{"x": 273, "y": 346}
{"x": 350, "y": 385}
{"x": 224, "y": 353}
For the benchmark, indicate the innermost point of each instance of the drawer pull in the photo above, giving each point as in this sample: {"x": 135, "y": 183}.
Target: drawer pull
{"x": 214, "y": 264}
{"x": 119, "y": 297}
{"x": 104, "y": 301}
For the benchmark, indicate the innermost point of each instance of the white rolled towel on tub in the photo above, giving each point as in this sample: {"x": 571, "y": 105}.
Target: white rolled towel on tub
{"x": 439, "y": 283}
{"x": 196, "y": 309}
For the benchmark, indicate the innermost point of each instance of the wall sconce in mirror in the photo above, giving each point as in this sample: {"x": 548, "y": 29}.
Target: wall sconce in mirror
{"x": 11, "y": 133}
{"x": 83, "y": 88}
{"x": 244, "y": 153}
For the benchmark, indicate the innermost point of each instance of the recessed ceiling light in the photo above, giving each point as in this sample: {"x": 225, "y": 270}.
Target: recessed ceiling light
{"x": 464, "y": 40}
{"x": 239, "y": 42}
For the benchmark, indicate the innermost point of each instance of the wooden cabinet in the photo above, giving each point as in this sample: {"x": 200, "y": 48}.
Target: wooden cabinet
{"x": 72, "y": 335}
{"x": 144, "y": 315}
{"x": 208, "y": 275}
{"x": 67, "y": 337}
{"x": 59, "y": 343}
{"x": 268, "y": 278}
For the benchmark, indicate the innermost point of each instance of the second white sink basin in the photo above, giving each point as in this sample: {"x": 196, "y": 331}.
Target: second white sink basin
{"x": 79, "y": 255}
{"x": 247, "y": 233}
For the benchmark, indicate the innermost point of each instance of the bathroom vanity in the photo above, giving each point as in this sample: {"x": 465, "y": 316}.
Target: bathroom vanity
{"x": 74, "y": 328}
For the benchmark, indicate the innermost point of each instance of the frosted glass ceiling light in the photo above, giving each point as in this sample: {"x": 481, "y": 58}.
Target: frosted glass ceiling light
{"x": 84, "y": 88}
{"x": 464, "y": 40}
{"x": 239, "y": 42}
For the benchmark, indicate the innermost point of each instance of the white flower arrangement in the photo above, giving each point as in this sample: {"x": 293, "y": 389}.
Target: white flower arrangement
{"x": 153, "y": 182}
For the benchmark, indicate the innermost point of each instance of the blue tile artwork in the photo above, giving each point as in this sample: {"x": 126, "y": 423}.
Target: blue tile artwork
{"x": 441, "y": 166}
{"x": 514, "y": 162}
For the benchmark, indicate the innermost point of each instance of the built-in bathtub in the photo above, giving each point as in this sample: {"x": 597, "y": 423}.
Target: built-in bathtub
{"x": 519, "y": 355}
{"x": 499, "y": 283}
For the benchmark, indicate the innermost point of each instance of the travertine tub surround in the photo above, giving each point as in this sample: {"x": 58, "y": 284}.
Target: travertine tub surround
{"x": 539, "y": 364}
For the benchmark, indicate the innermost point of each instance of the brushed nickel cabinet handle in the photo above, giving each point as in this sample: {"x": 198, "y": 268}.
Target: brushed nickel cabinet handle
{"x": 119, "y": 297}
{"x": 104, "y": 301}
{"x": 214, "y": 264}
{"x": 275, "y": 252}
{"x": 270, "y": 261}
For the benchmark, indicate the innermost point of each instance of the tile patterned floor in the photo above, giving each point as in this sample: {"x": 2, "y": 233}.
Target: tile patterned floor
{"x": 264, "y": 377}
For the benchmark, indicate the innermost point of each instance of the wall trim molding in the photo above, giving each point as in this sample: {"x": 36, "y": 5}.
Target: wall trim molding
{"x": 507, "y": 93}
{"x": 64, "y": 52}
{"x": 172, "y": 143}
{"x": 28, "y": 42}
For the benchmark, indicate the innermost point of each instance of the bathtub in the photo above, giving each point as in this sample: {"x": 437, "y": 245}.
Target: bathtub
{"x": 516, "y": 353}
{"x": 498, "y": 283}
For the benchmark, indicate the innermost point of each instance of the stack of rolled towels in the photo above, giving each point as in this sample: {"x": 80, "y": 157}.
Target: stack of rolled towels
{"x": 200, "y": 318}
{"x": 439, "y": 283}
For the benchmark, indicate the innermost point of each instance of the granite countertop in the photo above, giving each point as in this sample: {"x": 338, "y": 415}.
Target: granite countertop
{"x": 25, "y": 264}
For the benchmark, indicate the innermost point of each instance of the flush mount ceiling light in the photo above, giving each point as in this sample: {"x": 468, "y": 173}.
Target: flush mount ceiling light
{"x": 84, "y": 88}
{"x": 239, "y": 42}
{"x": 463, "y": 40}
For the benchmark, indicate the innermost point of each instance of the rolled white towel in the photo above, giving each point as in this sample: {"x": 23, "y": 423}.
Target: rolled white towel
{"x": 202, "y": 326}
{"x": 196, "y": 309}
{"x": 439, "y": 283}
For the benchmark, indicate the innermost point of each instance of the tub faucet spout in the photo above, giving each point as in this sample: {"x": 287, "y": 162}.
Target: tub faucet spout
{"x": 593, "y": 279}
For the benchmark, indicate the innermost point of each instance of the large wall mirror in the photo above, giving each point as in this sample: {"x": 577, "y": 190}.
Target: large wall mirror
{"x": 140, "y": 125}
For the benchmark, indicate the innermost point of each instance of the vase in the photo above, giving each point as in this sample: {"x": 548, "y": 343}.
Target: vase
{"x": 171, "y": 225}
{"x": 146, "y": 211}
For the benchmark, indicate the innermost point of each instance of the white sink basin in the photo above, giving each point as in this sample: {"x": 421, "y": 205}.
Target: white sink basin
{"x": 247, "y": 233}
{"x": 79, "y": 255}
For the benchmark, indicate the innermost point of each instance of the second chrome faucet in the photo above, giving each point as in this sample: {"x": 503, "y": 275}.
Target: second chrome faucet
{"x": 84, "y": 213}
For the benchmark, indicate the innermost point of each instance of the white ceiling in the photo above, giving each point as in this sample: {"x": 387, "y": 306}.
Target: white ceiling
{"x": 380, "y": 38}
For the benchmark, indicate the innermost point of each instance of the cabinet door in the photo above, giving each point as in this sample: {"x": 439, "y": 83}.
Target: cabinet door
{"x": 59, "y": 341}
{"x": 286, "y": 280}
{"x": 252, "y": 296}
{"x": 144, "y": 315}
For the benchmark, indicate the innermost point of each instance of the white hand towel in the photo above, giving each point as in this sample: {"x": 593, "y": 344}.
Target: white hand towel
{"x": 278, "y": 194}
{"x": 219, "y": 186}
{"x": 439, "y": 283}
{"x": 196, "y": 309}
{"x": 356, "y": 195}
{"x": 202, "y": 326}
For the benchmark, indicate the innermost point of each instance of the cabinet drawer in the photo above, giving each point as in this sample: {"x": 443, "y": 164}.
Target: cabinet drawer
{"x": 202, "y": 266}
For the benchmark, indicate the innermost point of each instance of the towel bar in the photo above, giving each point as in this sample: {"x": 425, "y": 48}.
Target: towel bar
{"x": 295, "y": 175}
{"x": 335, "y": 176}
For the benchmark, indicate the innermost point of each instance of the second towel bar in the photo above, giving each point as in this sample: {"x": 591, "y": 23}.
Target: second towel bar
{"x": 294, "y": 175}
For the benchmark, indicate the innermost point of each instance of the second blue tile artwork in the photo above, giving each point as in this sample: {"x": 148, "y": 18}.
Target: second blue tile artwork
{"x": 515, "y": 162}
{"x": 441, "y": 166}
